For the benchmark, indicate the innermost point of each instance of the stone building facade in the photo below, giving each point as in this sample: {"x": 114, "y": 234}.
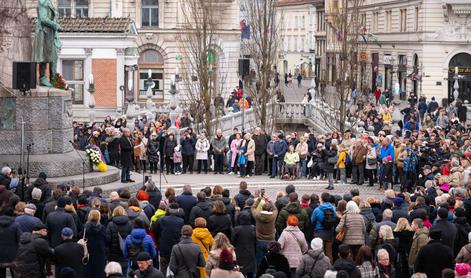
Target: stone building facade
{"x": 297, "y": 51}
{"x": 123, "y": 60}
{"x": 419, "y": 44}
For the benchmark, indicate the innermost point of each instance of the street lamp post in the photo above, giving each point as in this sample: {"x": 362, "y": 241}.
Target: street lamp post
{"x": 91, "y": 101}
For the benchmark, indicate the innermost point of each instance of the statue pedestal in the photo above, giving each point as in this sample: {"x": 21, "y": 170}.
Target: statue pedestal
{"x": 47, "y": 117}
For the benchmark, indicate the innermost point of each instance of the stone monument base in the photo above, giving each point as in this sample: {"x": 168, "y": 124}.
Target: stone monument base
{"x": 46, "y": 115}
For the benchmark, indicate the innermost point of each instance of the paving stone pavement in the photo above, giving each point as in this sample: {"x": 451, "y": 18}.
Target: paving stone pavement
{"x": 271, "y": 186}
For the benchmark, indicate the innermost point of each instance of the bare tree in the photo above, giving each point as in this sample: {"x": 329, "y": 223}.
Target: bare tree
{"x": 265, "y": 24}
{"x": 344, "y": 21}
{"x": 15, "y": 37}
{"x": 197, "y": 40}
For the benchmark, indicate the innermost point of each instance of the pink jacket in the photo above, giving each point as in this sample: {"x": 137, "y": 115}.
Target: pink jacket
{"x": 293, "y": 245}
{"x": 234, "y": 150}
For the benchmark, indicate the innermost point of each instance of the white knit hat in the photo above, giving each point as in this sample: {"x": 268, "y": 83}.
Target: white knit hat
{"x": 316, "y": 244}
{"x": 36, "y": 193}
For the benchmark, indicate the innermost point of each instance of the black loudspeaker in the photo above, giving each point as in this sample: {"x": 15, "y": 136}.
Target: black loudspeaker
{"x": 244, "y": 67}
{"x": 24, "y": 75}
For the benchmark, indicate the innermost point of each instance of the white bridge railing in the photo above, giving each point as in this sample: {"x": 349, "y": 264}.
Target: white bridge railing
{"x": 316, "y": 115}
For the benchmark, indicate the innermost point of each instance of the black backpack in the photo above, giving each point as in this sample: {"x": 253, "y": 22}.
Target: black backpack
{"x": 133, "y": 250}
{"x": 330, "y": 219}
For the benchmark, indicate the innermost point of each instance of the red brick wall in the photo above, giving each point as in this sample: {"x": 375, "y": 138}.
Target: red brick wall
{"x": 104, "y": 75}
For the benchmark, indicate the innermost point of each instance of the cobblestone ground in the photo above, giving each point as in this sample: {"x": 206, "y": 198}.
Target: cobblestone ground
{"x": 271, "y": 186}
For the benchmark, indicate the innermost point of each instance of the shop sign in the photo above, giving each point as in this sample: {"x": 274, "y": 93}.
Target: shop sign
{"x": 363, "y": 56}
{"x": 387, "y": 59}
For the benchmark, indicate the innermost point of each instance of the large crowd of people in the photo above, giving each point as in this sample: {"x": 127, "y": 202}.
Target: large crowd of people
{"x": 74, "y": 233}
{"x": 420, "y": 228}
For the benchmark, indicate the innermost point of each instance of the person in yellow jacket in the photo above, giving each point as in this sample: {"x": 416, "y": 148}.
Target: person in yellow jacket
{"x": 159, "y": 213}
{"x": 342, "y": 160}
{"x": 387, "y": 117}
{"x": 291, "y": 162}
{"x": 202, "y": 236}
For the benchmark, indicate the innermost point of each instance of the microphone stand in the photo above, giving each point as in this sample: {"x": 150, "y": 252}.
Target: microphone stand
{"x": 83, "y": 164}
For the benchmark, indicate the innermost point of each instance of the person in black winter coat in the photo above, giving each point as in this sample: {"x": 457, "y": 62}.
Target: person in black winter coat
{"x": 188, "y": 152}
{"x": 155, "y": 196}
{"x": 244, "y": 239}
{"x": 462, "y": 230}
{"x": 9, "y": 238}
{"x": 126, "y": 155}
{"x": 57, "y": 220}
{"x": 274, "y": 259}
{"x": 447, "y": 229}
{"x": 146, "y": 270}
{"x": 119, "y": 226}
{"x": 230, "y": 209}
{"x": 219, "y": 222}
{"x": 169, "y": 148}
{"x": 166, "y": 231}
{"x": 95, "y": 234}
{"x": 243, "y": 195}
{"x": 68, "y": 254}
{"x": 344, "y": 262}
{"x": 434, "y": 257}
{"x": 33, "y": 252}
{"x": 187, "y": 201}
{"x": 203, "y": 208}
{"x": 153, "y": 146}
{"x": 41, "y": 184}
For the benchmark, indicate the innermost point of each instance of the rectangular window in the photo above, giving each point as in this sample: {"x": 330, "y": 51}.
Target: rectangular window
{"x": 81, "y": 8}
{"x": 64, "y": 8}
{"x": 157, "y": 76}
{"x": 363, "y": 20}
{"x": 295, "y": 43}
{"x": 150, "y": 13}
{"x": 301, "y": 45}
{"x": 416, "y": 18}
{"x": 387, "y": 21}
{"x": 72, "y": 71}
{"x": 374, "y": 26}
{"x": 296, "y": 23}
{"x": 403, "y": 22}
{"x": 302, "y": 22}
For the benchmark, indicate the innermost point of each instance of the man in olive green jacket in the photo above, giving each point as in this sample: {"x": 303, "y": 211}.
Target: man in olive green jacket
{"x": 420, "y": 240}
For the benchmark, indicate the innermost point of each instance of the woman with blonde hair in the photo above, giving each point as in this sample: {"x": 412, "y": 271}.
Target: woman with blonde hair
{"x": 204, "y": 239}
{"x": 95, "y": 235}
{"x": 387, "y": 242}
{"x": 221, "y": 241}
{"x": 404, "y": 233}
{"x": 117, "y": 230}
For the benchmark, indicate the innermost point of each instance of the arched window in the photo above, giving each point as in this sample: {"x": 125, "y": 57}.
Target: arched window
{"x": 150, "y": 13}
{"x": 151, "y": 60}
{"x": 459, "y": 69}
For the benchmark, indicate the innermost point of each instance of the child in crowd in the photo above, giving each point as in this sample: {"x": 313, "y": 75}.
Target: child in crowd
{"x": 177, "y": 160}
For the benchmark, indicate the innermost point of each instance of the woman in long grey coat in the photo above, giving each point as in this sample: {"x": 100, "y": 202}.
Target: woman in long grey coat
{"x": 354, "y": 223}
{"x": 371, "y": 163}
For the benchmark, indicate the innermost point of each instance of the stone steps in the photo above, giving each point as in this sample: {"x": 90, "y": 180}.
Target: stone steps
{"x": 91, "y": 179}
